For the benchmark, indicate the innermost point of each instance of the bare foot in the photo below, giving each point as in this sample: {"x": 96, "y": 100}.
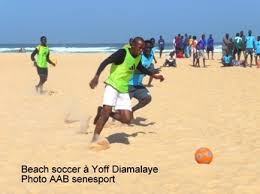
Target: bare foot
{"x": 102, "y": 144}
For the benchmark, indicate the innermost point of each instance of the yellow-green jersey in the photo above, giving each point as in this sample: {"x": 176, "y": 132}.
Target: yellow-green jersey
{"x": 42, "y": 54}
{"x": 120, "y": 74}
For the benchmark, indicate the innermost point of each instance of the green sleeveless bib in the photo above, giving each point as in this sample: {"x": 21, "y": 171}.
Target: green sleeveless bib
{"x": 120, "y": 75}
{"x": 42, "y": 56}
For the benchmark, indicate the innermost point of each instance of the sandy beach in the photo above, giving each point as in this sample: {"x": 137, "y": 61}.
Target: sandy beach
{"x": 212, "y": 107}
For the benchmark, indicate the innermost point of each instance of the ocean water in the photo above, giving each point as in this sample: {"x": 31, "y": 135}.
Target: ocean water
{"x": 80, "y": 48}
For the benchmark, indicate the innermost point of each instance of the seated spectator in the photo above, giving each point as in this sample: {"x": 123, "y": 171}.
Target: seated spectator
{"x": 171, "y": 60}
{"x": 227, "y": 60}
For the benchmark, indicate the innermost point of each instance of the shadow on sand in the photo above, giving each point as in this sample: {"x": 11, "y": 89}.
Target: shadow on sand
{"x": 139, "y": 121}
{"x": 122, "y": 137}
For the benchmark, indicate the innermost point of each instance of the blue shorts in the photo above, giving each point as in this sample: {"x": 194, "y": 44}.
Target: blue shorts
{"x": 138, "y": 92}
{"x": 249, "y": 51}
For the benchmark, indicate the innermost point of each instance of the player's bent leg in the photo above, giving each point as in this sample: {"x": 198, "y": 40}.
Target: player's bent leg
{"x": 126, "y": 116}
{"x": 99, "y": 109}
{"x": 104, "y": 116}
{"x": 142, "y": 103}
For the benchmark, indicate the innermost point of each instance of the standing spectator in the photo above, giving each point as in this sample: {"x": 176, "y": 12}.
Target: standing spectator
{"x": 174, "y": 44}
{"x": 201, "y": 46}
{"x": 243, "y": 50}
{"x": 231, "y": 47}
{"x": 161, "y": 44}
{"x": 210, "y": 46}
{"x": 177, "y": 42}
{"x": 250, "y": 45}
{"x": 182, "y": 44}
{"x": 257, "y": 51}
{"x": 153, "y": 49}
{"x": 225, "y": 44}
{"x": 186, "y": 46}
{"x": 194, "y": 50}
{"x": 155, "y": 61}
{"x": 237, "y": 46}
{"x": 190, "y": 44}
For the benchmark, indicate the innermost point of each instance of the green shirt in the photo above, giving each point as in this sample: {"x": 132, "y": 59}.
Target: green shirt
{"x": 43, "y": 51}
{"x": 238, "y": 42}
{"x": 120, "y": 74}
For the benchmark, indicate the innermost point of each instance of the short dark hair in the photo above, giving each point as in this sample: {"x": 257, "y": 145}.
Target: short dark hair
{"x": 138, "y": 38}
{"x": 43, "y": 37}
{"x": 148, "y": 42}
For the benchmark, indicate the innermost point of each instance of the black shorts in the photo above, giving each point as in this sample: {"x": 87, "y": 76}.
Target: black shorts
{"x": 42, "y": 71}
{"x": 237, "y": 51}
{"x": 210, "y": 49}
{"x": 138, "y": 92}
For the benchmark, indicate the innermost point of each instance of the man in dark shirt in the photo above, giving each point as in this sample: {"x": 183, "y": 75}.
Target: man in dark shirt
{"x": 210, "y": 46}
{"x": 161, "y": 45}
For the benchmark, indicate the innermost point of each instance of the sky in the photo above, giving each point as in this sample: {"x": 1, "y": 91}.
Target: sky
{"x": 115, "y": 21}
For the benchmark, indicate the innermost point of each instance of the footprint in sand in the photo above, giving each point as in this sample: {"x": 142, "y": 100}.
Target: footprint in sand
{"x": 48, "y": 92}
{"x": 102, "y": 144}
{"x": 51, "y": 92}
{"x": 68, "y": 118}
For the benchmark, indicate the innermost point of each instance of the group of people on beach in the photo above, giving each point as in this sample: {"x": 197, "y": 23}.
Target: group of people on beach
{"x": 232, "y": 48}
{"x": 188, "y": 46}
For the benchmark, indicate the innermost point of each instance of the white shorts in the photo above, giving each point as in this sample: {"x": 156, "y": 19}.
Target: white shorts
{"x": 120, "y": 101}
{"x": 201, "y": 53}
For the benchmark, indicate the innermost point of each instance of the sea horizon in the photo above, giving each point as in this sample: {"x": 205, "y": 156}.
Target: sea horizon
{"x": 79, "y": 47}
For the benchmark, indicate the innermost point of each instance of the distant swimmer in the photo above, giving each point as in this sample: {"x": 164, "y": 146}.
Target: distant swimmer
{"x": 43, "y": 53}
{"x": 124, "y": 62}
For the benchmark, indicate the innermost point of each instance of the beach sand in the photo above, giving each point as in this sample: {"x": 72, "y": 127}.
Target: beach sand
{"x": 212, "y": 107}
